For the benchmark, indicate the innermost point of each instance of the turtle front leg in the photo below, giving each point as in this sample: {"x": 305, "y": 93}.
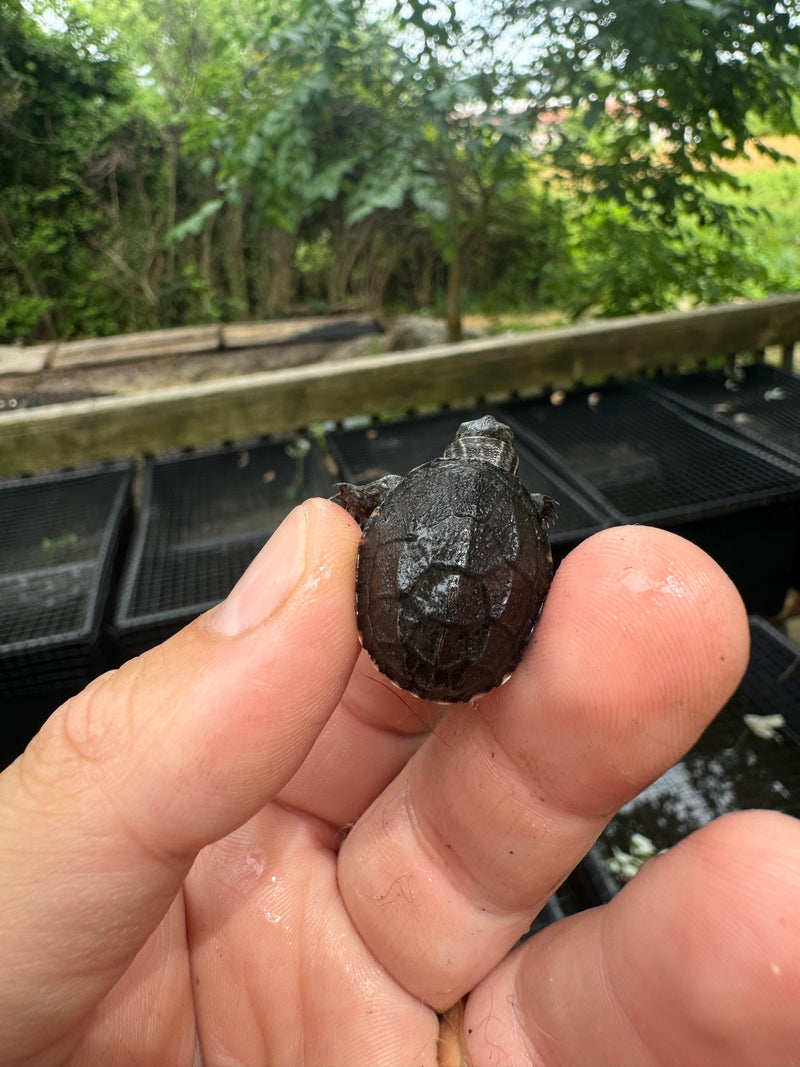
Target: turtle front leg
{"x": 546, "y": 506}
{"x": 361, "y": 500}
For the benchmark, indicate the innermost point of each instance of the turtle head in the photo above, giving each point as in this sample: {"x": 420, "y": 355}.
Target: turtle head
{"x": 485, "y": 439}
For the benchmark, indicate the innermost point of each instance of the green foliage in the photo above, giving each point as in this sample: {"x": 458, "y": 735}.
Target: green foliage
{"x": 58, "y": 95}
{"x": 658, "y": 98}
{"x": 617, "y": 264}
{"x": 20, "y": 314}
{"x": 66, "y": 539}
{"x": 314, "y": 260}
{"x": 289, "y": 137}
{"x": 195, "y": 224}
{"x": 169, "y": 163}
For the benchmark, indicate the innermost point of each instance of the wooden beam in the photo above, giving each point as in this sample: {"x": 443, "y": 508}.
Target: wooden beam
{"x": 183, "y": 340}
{"x": 16, "y": 359}
{"x": 136, "y": 346}
{"x": 284, "y": 400}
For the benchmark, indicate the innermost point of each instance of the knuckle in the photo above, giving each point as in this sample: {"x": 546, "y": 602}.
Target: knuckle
{"x": 88, "y": 725}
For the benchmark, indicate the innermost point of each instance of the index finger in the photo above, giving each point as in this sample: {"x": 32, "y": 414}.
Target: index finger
{"x": 641, "y": 641}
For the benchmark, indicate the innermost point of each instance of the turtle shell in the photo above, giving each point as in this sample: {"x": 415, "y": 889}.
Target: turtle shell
{"x": 453, "y": 569}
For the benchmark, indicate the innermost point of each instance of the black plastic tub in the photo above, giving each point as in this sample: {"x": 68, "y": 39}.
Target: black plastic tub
{"x": 642, "y": 459}
{"x": 61, "y": 538}
{"x": 757, "y": 400}
{"x": 397, "y": 447}
{"x": 550, "y": 913}
{"x": 730, "y": 768}
{"x": 204, "y": 517}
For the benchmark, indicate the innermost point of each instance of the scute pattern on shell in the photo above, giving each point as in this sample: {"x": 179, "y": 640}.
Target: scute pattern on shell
{"x": 453, "y": 570}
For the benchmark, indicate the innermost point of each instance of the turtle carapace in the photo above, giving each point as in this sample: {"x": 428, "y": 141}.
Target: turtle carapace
{"x": 453, "y": 567}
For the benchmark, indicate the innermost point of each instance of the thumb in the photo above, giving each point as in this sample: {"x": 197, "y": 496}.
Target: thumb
{"x": 102, "y": 816}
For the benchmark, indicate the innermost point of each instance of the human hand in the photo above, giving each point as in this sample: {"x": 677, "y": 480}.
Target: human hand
{"x": 177, "y": 885}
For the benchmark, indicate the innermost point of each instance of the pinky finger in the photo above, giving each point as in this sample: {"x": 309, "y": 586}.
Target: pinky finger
{"x": 697, "y": 960}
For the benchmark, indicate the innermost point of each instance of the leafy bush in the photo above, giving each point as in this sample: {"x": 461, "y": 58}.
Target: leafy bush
{"x": 507, "y": 261}
{"x": 617, "y": 264}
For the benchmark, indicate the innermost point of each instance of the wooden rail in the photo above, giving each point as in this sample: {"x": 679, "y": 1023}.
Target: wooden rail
{"x": 285, "y": 400}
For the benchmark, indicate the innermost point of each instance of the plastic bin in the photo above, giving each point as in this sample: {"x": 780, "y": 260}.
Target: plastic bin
{"x": 757, "y": 400}
{"x": 204, "y": 517}
{"x": 550, "y": 913}
{"x": 61, "y": 537}
{"x": 730, "y": 768}
{"x": 644, "y": 460}
{"x": 397, "y": 447}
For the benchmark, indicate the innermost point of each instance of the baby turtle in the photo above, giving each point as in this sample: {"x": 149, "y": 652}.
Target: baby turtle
{"x": 453, "y": 567}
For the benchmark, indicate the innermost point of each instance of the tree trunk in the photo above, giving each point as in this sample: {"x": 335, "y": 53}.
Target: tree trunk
{"x": 235, "y": 265}
{"x": 276, "y": 270}
{"x": 348, "y": 247}
{"x": 420, "y": 259}
{"x": 454, "y": 260}
{"x": 207, "y": 263}
{"x": 173, "y": 149}
{"x": 454, "y": 296}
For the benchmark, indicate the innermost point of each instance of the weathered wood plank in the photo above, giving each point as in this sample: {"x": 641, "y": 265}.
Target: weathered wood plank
{"x": 137, "y": 346}
{"x": 17, "y": 359}
{"x": 283, "y": 400}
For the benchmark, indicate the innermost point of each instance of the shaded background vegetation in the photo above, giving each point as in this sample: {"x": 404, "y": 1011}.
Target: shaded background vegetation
{"x": 170, "y": 163}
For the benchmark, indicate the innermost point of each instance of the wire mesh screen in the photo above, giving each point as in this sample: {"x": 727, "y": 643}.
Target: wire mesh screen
{"x": 204, "y": 518}
{"x": 651, "y": 462}
{"x": 757, "y": 400}
{"x": 60, "y": 536}
{"x": 647, "y": 461}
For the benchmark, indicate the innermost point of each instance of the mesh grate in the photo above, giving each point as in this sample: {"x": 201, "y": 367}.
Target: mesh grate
{"x": 60, "y": 536}
{"x": 398, "y": 447}
{"x": 757, "y": 400}
{"x": 204, "y": 517}
{"x": 729, "y": 768}
{"x": 45, "y": 603}
{"x": 651, "y": 462}
{"x": 771, "y": 685}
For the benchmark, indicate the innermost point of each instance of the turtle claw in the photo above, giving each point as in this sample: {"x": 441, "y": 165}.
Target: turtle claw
{"x": 546, "y": 506}
{"x": 361, "y": 500}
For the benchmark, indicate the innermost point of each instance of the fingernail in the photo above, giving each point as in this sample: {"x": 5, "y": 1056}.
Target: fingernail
{"x": 269, "y": 579}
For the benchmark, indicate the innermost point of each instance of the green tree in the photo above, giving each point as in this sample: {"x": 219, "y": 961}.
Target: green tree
{"x": 296, "y": 128}
{"x": 661, "y": 96}
{"x": 164, "y": 163}
{"x": 628, "y": 109}
{"x": 457, "y": 138}
{"x": 59, "y": 92}
{"x": 190, "y": 58}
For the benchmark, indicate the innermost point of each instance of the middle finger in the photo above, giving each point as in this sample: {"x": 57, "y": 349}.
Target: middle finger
{"x": 641, "y": 641}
